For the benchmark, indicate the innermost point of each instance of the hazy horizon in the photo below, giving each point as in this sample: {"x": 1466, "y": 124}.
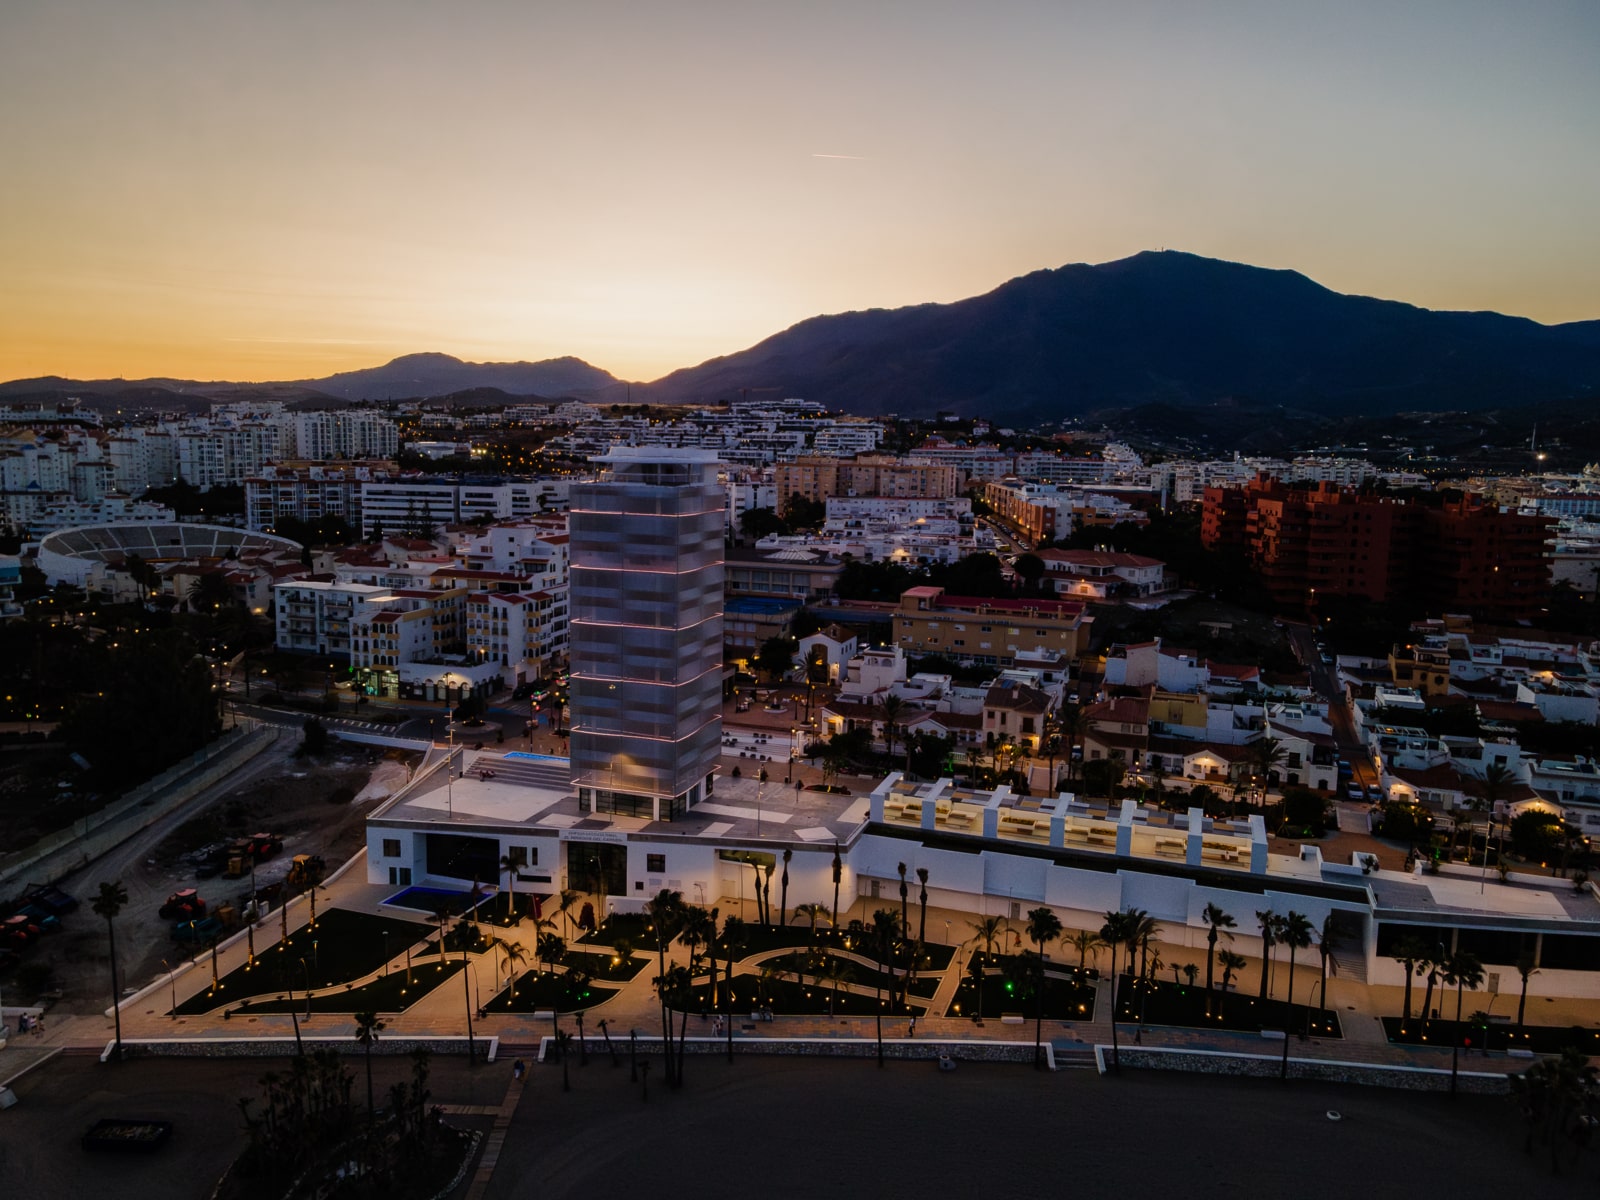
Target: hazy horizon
{"x": 235, "y": 191}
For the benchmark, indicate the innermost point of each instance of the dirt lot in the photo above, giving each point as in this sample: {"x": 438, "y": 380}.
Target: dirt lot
{"x": 317, "y": 807}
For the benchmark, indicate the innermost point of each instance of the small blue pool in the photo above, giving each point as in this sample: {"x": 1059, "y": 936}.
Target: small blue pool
{"x": 423, "y": 899}
{"x": 541, "y": 758}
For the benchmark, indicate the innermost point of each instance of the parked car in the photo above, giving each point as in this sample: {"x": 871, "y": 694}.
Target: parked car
{"x": 51, "y": 898}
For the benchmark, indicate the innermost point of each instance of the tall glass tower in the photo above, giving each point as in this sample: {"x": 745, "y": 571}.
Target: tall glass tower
{"x": 646, "y": 633}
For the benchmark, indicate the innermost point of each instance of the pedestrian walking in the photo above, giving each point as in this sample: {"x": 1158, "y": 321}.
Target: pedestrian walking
{"x": 518, "y": 1068}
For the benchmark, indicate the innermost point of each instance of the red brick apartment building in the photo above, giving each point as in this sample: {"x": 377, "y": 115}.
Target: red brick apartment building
{"x": 1324, "y": 540}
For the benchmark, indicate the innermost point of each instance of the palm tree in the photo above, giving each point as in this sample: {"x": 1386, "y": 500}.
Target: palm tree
{"x": 893, "y": 709}
{"x": 1267, "y": 753}
{"x": 664, "y": 912}
{"x": 986, "y": 933}
{"x": 905, "y": 911}
{"x": 368, "y": 1026}
{"x": 1408, "y": 952}
{"x": 1231, "y": 964}
{"x": 1218, "y": 923}
{"x": 1141, "y": 930}
{"x": 508, "y": 868}
{"x": 1429, "y": 965}
{"x": 1268, "y": 921}
{"x": 1461, "y": 970}
{"x": 1043, "y": 926}
{"x": 1088, "y": 944}
{"x": 210, "y": 592}
{"x": 922, "y": 902}
{"x": 110, "y": 901}
{"x": 732, "y": 943}
{"x": 514, "y": 957}
{"x": 838, "y": 871}
{"x": 834, "y": 971}
{"x": 766, "y": 895}
{"x": 1525, "y": 968}
{"x": 565, "y": 899}
{"x": 1327, "y": 938}
{"x": 699, "y": 928}
{"x": 1114, "y": 933}
{"x": 783, "y": 896}
{"x": 1069, "y": 718}
{"x": 811, "y": 912}
{"x": 551, "y": 949}
{"x": 1296, "y": 934}
{"x": 885, "y": 928}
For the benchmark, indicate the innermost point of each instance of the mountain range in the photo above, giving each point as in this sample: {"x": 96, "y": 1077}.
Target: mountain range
{"x": 1161, "y": 327}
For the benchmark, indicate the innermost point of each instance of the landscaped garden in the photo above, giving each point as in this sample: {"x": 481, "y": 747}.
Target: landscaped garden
{"x": 1155, "y": 1002}
{"x": 343, "y": 947}
{"x": 785, "y": 997}
{"x": 999, "y": 984}
{"x": 816, "y": 968}
{"x": 1476, "y": 1035}
{"x": 609, "y": 967}
{"x": 536, "y": 991}
{"x": 394, "y": 992}
{"x": 633, "y": 928}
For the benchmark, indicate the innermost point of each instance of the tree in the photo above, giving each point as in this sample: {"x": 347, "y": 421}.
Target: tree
{"x": 1429, "y": 965}
{"x": 1141, "y": 929}
{"x": 665, "y": 912}
{"x": 1268, "y": 920}
{"x": 1327, "y": 938}
{"x": 987, "y": 933}
{"x": 1408, "y": 952}
{"x": 1296, "y": 934}
{"x": 211, "y": 592}
{"x": 565, "y": 899}
{"x": 1070, "y": 719}
{"x": 776, "y": 657}
{"x": 834, "y": 972}
{"x": 922, "y": 903}
{"x": 1461, "y": 970}
{"x": 783, "y": 896}
{"x": 1267, "y": 754}
{"x": 1231, "y": 964}
{"x": 1043, "y": 926}
{"x": 1030, "y": 569}
{"x": 368, "y": 1026}
{"x": 812, "y": 912}
{"x": 885, "y": 927}
{"x": 1088, "y": 943}
{"x": 838, "y": 871}
{"x": 551, "y": 949}
{"x": 1114, "y": 933}
{"x": 108, "y": 903}
{"x": 893, "y": 710}
{"x": 313, "y": 737}
{"x": 905, "y": 911}
{"x": 1218, "y": 923}
{"x": 1525, "y": 968}
{"x": 508, "y": 868}
{"x": 757, "y": 523}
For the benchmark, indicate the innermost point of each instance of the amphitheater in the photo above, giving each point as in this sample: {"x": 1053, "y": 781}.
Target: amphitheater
{"x": 73, "y": 555}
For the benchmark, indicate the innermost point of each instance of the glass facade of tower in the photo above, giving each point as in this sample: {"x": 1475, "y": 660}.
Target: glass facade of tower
{"x": 646, "y": 632}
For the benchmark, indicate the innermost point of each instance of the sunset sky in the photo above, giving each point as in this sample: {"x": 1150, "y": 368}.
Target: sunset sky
{"x": 278, "y": 190}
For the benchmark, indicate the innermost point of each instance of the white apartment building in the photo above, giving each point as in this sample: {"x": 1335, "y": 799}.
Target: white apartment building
{"x": 314, "y": 616}
{"x": 348, "y": 433}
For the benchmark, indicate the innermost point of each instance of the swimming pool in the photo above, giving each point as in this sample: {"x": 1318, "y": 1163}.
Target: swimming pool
{"x": 426, "y": 899}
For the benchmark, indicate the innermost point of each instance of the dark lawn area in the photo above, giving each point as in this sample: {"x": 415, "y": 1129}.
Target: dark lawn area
{"x": 537, "y": 990}
{"x": 633, "y": 928}
{"x": 493, "y": 912}
{"x": 860, "y": 973}
{"x": 605, "y": 966}
{"x": 1181, "y": 1004}
{"x": 1541, "y": 1039}
{"x": 785, "y": 997}
{"x": 1008, "y": 986}
{"x": 387, "y": 994}
{"x": 342, "y": 948}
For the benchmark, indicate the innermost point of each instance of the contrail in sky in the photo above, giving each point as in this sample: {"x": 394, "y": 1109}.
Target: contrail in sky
{"x": 852, "y": 157}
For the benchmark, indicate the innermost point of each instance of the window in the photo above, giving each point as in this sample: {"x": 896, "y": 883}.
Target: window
{"x": 391, "y": 847}
{"x": 655, "y": 863}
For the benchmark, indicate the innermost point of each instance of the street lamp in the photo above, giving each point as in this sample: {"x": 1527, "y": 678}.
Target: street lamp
{"x": 793, "y": 736}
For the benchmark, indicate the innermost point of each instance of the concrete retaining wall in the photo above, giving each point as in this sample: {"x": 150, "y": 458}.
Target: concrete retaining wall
{"x": 283, "y": 1047}
{"x": 1266, "y": 1066}
{"x": 911, "y": 1049}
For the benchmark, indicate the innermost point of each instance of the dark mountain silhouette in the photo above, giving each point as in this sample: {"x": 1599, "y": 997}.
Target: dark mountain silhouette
{"x": 1164, "y": 330}
{"x": 1157, "y": 328}
{"x": 418, "y": 375}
